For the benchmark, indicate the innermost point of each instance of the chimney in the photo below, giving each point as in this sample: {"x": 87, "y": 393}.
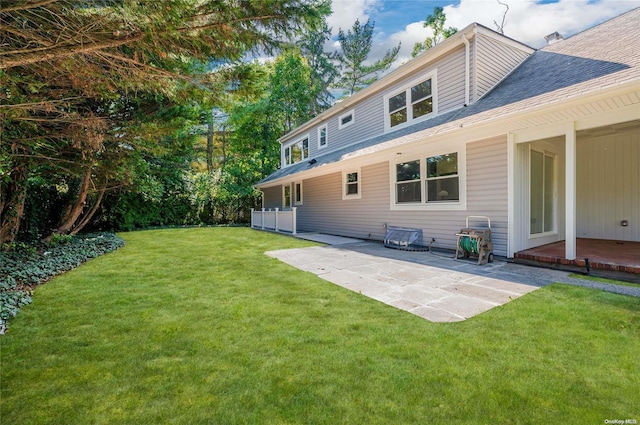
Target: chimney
{"x": 553, "y": 38}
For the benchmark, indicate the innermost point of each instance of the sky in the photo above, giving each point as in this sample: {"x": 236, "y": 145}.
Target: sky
{"x": 527, "y": 21}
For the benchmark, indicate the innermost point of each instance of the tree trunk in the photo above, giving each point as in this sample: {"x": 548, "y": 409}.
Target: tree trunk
{"x": 89, "y": 215}
{"x": 72, "y": 214}
{"x": 12, "y": 197}
{"x": 210, "y": 144}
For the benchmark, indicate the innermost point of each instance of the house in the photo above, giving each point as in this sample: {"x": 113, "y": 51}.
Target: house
{"x": 544, "y": 142}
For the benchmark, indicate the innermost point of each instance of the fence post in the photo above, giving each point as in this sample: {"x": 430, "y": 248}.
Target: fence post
{"x": 277, "y": 209}
{"x": 252, "y": 218}
{"x": 262, "y": 219}
{"x": 293, "y": 218}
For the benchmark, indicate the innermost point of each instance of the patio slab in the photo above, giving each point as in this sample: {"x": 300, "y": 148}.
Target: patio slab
{"x": 433, "y": 287}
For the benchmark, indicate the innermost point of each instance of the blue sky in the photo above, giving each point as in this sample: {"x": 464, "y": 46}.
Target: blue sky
{"x": 527, "y": 21}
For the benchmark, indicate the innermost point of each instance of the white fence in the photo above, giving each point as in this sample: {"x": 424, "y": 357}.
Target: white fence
{"x": 280, "y": 221}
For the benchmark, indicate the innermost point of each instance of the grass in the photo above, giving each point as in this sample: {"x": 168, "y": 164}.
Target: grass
{"x": 198, "y": 326}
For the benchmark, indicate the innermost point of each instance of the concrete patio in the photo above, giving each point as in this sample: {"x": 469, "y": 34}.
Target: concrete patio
{"x": 433, "y": 286}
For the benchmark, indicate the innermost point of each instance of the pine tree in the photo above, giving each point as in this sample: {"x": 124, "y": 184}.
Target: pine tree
{"x": 439, "y": 33}
{"x": 356, "y": 47}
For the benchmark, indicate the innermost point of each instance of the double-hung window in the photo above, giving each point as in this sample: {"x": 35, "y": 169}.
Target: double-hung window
{"x": 408, "y": 182}
{"x": 286, "y": 196}
{"x": 442, "y": 178}
{"x": 430, "y": 181}
{"x": 351, "y": 187}
{"x": 322, "y": 137}
{"x": 412, "y": 103}
{"x": 297, "y": 151}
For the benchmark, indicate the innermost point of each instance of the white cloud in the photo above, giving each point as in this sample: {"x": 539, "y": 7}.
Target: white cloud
{"x": 345, "y": 12}
{"x": 526, "y": 21}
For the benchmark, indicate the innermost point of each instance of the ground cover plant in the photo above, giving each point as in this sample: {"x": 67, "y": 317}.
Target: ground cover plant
{"x": 189, "y": 326}
{"x": 24, "y": 267}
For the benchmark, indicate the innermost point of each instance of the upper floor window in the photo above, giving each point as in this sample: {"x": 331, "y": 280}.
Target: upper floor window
{"x": 413, "y": 102}
{"x": 346, "y": 119}
{"x": 322, "y": 136}
{"x": 296, "y": 151}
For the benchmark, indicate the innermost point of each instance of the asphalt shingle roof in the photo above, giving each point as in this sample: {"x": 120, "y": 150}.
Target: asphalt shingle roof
{"x": 603, "y": 56}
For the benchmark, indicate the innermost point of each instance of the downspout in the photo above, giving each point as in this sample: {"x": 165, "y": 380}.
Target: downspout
{"x": 466, "y": 70}
{"x": 475, "y": 63}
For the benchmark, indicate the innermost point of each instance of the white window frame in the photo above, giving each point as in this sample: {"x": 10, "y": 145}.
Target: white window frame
{"x": 287, "y": 160}
{"x": 345, "y": 195}
{"x": 460, "y": 204}
{"x": 554, "y": 200}
{"x": 407, "y": 90}
{"x": 297, "y": 190}
{"x": 324, "y": 127}
{"x": 346, "y": 114}
{"x": 284, "y": 196}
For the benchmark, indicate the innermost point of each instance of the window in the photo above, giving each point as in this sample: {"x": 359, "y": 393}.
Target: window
{"x": 297, "y": 193}
{"x": 286, "y": 196}
{"x": 542, "y": 203}
{"x": 412, "y": 103}
{"x": 297, "y": 151}
{"x": 322, "y": 136}
{"x": 442, "y": 178}
{"x": 346, "y": 119}
{"x": 408, "y": 182}
{"x": 351, "y": 185}
{"x": 433, "y": 182}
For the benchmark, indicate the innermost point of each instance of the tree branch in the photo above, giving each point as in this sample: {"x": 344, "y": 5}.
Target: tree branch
{"x": 26, "y": 6}
{"x": 37, "y": 55}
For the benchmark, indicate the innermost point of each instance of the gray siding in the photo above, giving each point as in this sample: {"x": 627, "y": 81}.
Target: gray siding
{"x": 325, "y": 211}
{"x": 272, "y": 197}
{"x": 608, "y": 191}
{"x": 369, "y": 113}
{"x": 494, "y": 61}
{"x": 451, "y": 81}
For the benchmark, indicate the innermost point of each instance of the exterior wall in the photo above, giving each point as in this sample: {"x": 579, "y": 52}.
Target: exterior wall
{"x": 495, "y": 60}
{"x": 369, "y": 113}
{"x": 608, "y": 175}
{"x": 272, "y": 197}
{"x": 325, "y": 211}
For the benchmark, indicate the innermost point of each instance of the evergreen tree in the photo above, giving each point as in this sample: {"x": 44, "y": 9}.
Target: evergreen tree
{"x": 321, "y": 63}
{"x": 291, "y": 89}
{"x": 436, "y": 22}
{"x": 70, "y": 70}
{"x": 356, "y": 47}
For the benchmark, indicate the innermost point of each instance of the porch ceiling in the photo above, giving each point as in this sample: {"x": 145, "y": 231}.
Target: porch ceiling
{"x": 610, "y": 129}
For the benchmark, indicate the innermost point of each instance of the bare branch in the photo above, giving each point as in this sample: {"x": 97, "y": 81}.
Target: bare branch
{"x": 500, "y": 27}
{"x": 26, "y": 6}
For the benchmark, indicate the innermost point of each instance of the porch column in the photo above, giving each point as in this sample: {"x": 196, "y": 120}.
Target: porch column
{"x": 570, "y": 192}
{"x": 294, "y": 220}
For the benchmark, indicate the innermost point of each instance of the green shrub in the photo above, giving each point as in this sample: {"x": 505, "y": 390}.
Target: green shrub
{"x": 24, "y": 267}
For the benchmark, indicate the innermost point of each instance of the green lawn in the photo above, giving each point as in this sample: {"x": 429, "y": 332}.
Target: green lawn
{"x": 197, "y": 326}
